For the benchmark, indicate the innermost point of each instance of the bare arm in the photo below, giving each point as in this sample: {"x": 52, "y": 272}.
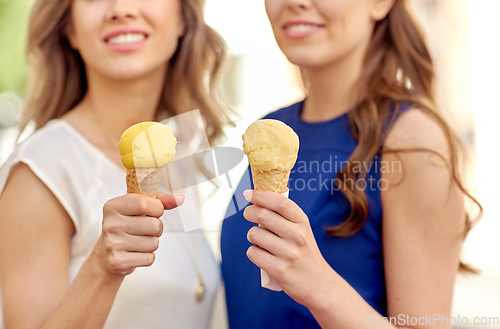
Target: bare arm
{"x": 35, "y": 233}
{"x": 423, "y": 222}
{"x": 422, "y": 225}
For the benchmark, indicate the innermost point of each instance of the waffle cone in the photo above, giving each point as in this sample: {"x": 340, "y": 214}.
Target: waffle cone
{"x": 273, "y": 181}
{"x": 144, "y": 181}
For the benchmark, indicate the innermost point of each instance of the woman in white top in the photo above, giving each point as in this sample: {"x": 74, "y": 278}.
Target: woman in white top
{"x": 75, "y": 252}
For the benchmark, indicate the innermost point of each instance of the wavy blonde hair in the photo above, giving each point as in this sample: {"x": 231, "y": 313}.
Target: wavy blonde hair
{"x": 58, "y": 81}
{"x": 397, "y": 53}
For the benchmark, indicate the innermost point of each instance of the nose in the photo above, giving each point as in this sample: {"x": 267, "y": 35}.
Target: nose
{"x": 121, "y": 10}
{"x": 299, "y": 4}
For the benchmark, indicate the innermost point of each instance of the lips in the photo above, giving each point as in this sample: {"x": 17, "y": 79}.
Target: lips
{"x": 301, "y": 29}
{"x": 119, "y": 32}
{"x": 126, "y": 40}
{"x": 129, "y": 38}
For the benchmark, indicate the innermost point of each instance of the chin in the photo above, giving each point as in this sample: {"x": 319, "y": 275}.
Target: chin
{"x": 306, "y": 59}
{"x": 129, "y": 71}
{"x": 124, "y": 76}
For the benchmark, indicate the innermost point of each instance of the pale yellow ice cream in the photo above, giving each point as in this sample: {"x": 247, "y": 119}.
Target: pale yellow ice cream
{"x": 147, "y": 144}
{"x": 271, "y": 145}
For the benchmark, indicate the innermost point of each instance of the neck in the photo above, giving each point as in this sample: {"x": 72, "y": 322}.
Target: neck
{"x": 331, "y": 86}
{"x": 119, "y": 104}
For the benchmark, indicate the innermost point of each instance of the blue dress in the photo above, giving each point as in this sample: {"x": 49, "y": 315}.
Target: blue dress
{"x": 358, "y": 259}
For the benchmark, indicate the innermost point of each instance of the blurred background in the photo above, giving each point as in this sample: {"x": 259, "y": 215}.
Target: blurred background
{"x": 464, "y": 39}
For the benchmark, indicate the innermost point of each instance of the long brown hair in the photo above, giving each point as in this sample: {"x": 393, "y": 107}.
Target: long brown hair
{"x": 58, "y": 81}
{"x": 397, "y": 54}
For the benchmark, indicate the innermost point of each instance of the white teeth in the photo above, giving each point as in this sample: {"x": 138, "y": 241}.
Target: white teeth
{"x": 301, "y": 27}
{"x": 127, "y": 39}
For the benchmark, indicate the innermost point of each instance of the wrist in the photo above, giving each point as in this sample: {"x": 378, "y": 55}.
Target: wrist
{"x": 99, "y": 274}
{"x": 325, "y": 297}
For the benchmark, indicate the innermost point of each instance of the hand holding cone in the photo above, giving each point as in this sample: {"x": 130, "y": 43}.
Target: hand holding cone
{"x": 272, "y": 148}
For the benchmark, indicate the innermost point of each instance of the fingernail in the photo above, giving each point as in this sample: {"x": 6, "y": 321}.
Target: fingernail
{"x": 179, "y": 198}
{"x": 248, "y": 195}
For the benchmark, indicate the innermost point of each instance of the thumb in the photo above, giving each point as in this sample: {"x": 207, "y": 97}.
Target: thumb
{"x": 171, "y": 201}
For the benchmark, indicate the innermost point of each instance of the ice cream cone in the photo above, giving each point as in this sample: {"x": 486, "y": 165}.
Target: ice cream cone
{"x": 272, "y": 148}
{"x": 145, "y": 149}
{"x": 144, "y": 181}
{"x": 273, "y": 180}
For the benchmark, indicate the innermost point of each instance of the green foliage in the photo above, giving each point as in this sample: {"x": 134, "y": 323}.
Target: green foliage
{"x": 13, "y": 26}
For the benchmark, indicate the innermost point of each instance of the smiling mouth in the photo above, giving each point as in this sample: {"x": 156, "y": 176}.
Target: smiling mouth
{"x": 127, "y": 39}
{"x": 301, "y": 27}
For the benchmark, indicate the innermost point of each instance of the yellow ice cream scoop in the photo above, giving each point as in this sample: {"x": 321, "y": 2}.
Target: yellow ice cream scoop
{"x": 271, "y": 145}
{"x": 147, "y": 144}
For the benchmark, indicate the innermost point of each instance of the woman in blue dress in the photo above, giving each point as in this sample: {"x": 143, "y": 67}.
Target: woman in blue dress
{"x": 372, "y": 231}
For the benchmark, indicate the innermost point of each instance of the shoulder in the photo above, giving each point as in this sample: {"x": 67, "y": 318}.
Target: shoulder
{"x": 47, "y": 145}
{"x": 418, "y": 146}
{"x": 420, "y": 181}
{"x": 54, "y": 132}
{"x": 52, "y": 136}
{"x": 45, "y": 165}
{"x": 50, "y": 154}
{"x": 417, "y": 129}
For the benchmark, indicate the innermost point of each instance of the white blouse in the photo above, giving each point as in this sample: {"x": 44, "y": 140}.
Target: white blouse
{"x": 82, "y": 178}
